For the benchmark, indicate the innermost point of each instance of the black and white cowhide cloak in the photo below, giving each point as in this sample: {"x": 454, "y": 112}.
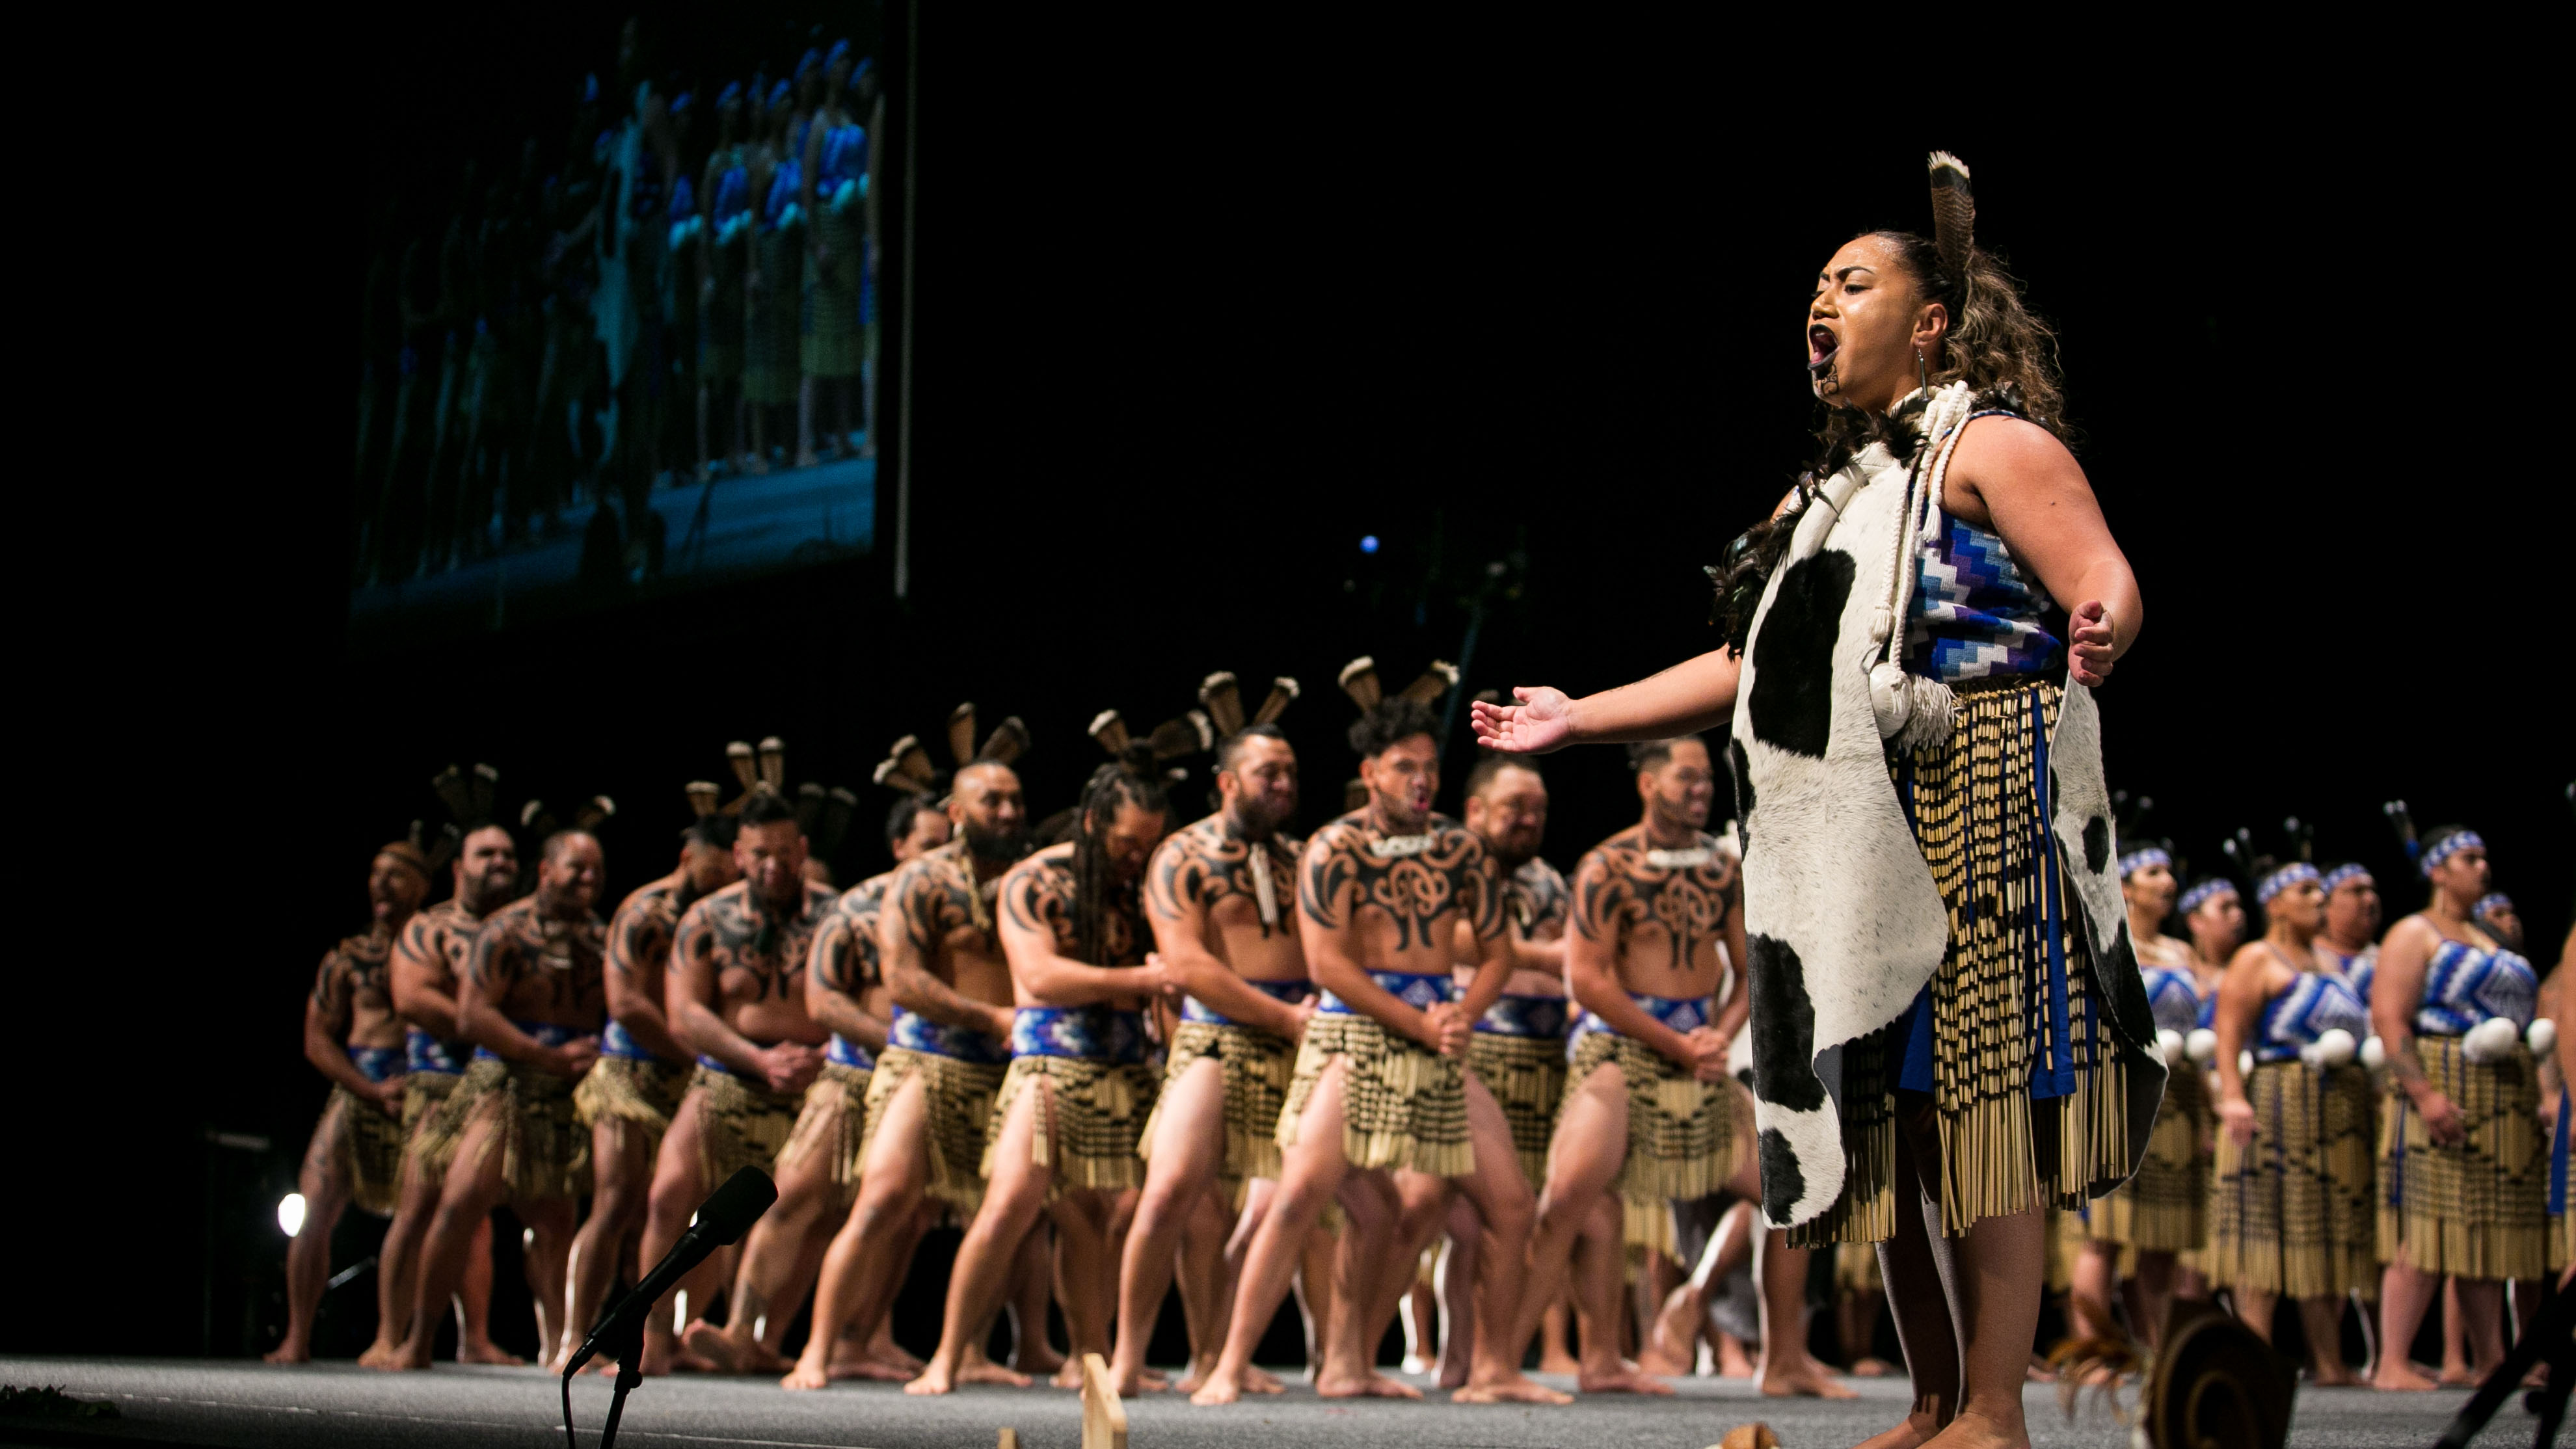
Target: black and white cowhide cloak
{"x": 1841, "y": 915}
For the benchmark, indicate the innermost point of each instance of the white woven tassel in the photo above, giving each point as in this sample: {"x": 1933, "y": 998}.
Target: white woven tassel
{"x": 1913, "y": 710}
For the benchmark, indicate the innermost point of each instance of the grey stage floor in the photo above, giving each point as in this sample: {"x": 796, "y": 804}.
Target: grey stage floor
{"x": 338, "y": 1404}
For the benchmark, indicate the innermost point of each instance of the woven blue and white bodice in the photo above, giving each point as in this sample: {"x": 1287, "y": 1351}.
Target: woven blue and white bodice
{"x": 2173, "y": 997}
{"x": 2306, "y": 1009}
{"x": 2466, "y": 984}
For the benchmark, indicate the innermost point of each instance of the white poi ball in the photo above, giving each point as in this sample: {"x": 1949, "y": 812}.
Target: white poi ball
{"x": 2244, "y": 1063}
{"x": 2543, "y": 1036}
{"x": 2202, "y": 1044}
{"x": 2169, "y": 1046}
{"x": 2491, "y": 1040}
{"x": 2373, "y": 1054}
{"x": 2334, "y": 1047}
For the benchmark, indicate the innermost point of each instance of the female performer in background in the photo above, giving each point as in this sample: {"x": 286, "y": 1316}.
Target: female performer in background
{"x": 2464, "y": 1168}
{"x": 2164, "y": 1210}
{"x": 1906, "y": 597}
{"x": 2294, "y": 1182}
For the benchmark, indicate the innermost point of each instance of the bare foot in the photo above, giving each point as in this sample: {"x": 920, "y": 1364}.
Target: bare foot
{"x": 1676, "y": 1328}
{"x": 1627, "y": 1378}
{"x": 294, "y": 1353}
{"x": 2397, "y": 1375}
{"x": 379, "y": 1354}
{"x": 2335, "y": 1376}
{"x": 2039, "y": 1372}
{"x": 1731, "y": 1360}
{"x": 1257, "y": 1382}
{"x": 1037, "y": 1356}
{"x": 1910, "y": 1434}
{"x": 1969, "y": 1431}
{"x": 1367, "y": 1384}
{"x": 1553, "y": 1359}
{"x": 1516, "y": 1389}
{"x": 978, "y": 1371}
{"x": 1067, "y": 1376}
{"x": 1453, "y": 1372}
{"x": 486, "y": 1351}
{"x": 1806, "y": 1379}
{"x": 1654, "y": 1360}
{"x": 933, "y": 1380}
{"x": 406, "y": 1358}
{"x": 806, "y": 1375}
{"x": 1866, "y": 1367}
{"x": 1220, "y": 1388}
{"x": 730, "y": 1355}
{"x": 2457, "y": 1376}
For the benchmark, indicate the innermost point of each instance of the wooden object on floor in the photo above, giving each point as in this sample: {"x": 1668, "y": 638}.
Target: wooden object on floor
{"x": 1104, "y": 1419}
{"x": 1010, "y": 1439}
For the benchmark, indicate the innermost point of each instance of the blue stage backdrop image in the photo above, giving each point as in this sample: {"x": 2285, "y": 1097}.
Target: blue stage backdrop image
{"x": 630, "y": 341}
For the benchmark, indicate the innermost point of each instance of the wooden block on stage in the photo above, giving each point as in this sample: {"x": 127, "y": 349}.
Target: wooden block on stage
{"x": 1104, "y": 1419}
{"x": 1010, "y": 1439}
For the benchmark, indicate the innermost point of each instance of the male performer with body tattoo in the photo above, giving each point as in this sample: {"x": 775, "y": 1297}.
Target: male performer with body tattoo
{"x": 818, "y": 1172}
{"x": 532, "y": 1002}
{"x": 628, "y": 1099}
{"x": 1062, "y": 1141}
{"x": 1379, "y": 1079}
{"x": 1650, "y": 1111}
{"x": 736, "y": 995}
{"x": 932, "y": 1092}
{"x": 1517, "y": 1048}
{"x": 353, "y": 1038}
{"x": 1221, "y": 896}
{"x": 429, "y": 958}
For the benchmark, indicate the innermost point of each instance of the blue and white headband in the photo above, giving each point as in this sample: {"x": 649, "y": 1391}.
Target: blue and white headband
{"x": 2205, "y": 892}
{"x": 2492, "y": 901}
{"x": 2448, "y": 846}
{"x": 2344, "y": 875}
{"x": 2138, "y": 860}
{"x": 2282, "y": 879}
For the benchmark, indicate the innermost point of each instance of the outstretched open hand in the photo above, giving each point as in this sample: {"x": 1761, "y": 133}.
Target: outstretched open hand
{"x": 2088, "y": 654}
{"x": 1542, "y": 722}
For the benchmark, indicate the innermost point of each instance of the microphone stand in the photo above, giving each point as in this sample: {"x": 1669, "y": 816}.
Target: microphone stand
{"x": 628, "y": 1349}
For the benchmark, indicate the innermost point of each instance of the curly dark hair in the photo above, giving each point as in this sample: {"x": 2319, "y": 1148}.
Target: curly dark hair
{"x": 1391, "y": 720}
{"x": 2006, "y": 355}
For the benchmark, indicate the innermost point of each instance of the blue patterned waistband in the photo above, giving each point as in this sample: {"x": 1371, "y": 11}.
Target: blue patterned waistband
{"x": 1417, "y": 992}
{"x": 425, "y": 1053}
{"x": 1091, "y": 1033}
{"x": 921, "y": 1034}
{"x": 849, "y": 1054}
{"x": 616, "y": 1041}
{"x": 1290, "y": 992}
{"x": 377, "y": 1063}
{"x": 546, "y": 1033}
{"x": 1684, "y": 1014}
{"x": 1538, "y": 1016}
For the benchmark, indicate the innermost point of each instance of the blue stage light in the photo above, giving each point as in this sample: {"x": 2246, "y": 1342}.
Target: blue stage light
{"x": 1368, "y": 543}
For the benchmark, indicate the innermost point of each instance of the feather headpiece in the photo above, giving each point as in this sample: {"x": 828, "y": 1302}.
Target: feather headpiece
{"x": 1222, "y": 697}
{"x": 1954, "y": 213}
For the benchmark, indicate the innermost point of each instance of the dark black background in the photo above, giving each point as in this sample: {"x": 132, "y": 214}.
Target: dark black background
{"x": 1198, "y": 306}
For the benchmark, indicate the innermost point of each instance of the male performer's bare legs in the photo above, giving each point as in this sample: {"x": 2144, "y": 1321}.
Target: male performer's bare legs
{"x": 1172, "y": 1212}
{"x": 1014, "y": 1199}
{"x": 473, "y": 1188}
{"x": 308, "y": 1259}
{"x": 398, "y": 1260}
{"x": 621, "y": 1170}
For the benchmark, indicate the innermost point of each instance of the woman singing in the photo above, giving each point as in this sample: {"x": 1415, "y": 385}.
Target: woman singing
{"x": 2464, "y": 1168}
{"x": 1909, "y": 601}
{"x": 2293, "y": 1201}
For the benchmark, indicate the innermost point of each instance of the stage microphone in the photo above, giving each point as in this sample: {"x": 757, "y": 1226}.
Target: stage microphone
{"x": 722, "y": 1219}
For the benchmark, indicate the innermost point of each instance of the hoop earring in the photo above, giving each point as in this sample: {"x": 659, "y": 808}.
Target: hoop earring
{"x": 1922, "y": 376}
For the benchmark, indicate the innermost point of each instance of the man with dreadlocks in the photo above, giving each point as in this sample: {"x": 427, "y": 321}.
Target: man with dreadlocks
{"x": 1221, "y": 896}
{"x": 353, "y": 1038}
{"x": 1379, "y": 1080}
{"x": 1063, "y": 1135}
{"x": 737, "y": 998}
{"x": 931, "y": 1095}
{"x": 429, "y": 957}
{"x": 1949, "y": 1034}
{"x": 628, "y": 1099}
{"x": 532, "y": 1002}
